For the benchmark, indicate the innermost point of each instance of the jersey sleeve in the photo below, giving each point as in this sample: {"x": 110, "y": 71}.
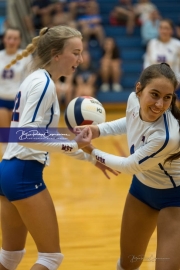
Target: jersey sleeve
{"x": 144, "y": 158}
{"x": 47, "y": 146}
{"x": 81, "y": 155}
{"x": 39, "y": 100}
{"x": 116, "y": 127}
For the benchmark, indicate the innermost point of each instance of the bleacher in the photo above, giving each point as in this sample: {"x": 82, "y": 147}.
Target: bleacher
{"x": 2, "y": 14}
{"x": 130, "y": 46}
{"x": 2, "y": 8}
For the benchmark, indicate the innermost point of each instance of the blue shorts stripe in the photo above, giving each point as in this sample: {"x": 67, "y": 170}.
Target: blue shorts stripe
{"x": 41, "y": 98}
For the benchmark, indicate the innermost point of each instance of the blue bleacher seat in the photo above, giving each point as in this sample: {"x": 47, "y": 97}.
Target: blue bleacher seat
{"x": 129, "y": 80}
{"x": 132, "y": 66}
{"x": 3, "y": 8}
{"x": 2, "y": 28}
{"x": 118, "y": 31}
{"x": 132, "y": 54}
{"x": 128, "y": 41}
{"x": 113, "y": 97}
{"x": 107, "y": 7}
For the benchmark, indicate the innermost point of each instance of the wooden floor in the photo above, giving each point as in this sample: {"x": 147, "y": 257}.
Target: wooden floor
{"x": 89, "y": 209}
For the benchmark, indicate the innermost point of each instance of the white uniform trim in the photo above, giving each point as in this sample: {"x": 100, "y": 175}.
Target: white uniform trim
{"x": 149, "y": 144}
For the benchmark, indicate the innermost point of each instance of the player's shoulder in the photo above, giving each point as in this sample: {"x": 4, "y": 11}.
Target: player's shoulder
{"x": 2, "y": 53}
{"x": 175, "y": 41}
{"x": 40, "y": 75}
{"x": 166, "y": 128}
{"x": 154, "y": 41}
{"x": 133, "y": 99}
{"x": 39, "y": 79}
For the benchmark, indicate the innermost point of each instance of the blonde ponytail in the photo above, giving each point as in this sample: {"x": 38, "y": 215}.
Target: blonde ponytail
{"x": 51, "y": 41}
{"x": 29, "y": 49}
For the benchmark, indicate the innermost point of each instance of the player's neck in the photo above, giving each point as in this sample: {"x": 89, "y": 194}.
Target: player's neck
{"x": 10, "y": 51}
{"x": 165, "y": 40}
{"x": 53, "y": 73}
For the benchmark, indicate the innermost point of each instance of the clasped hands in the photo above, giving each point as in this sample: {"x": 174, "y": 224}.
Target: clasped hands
{"x": 84, "y": 135}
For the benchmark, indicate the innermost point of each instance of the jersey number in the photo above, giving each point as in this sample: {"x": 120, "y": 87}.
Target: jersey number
{"x": 15, "y": 114}
{"x": 8, "y": 74}
{"x": 161, "y": 59}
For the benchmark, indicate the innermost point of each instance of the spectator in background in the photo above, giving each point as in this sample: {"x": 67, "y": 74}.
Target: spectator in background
{"x": 142, "y": 10}
{"x": 77, "y": 8}
{"x": 110, "y": 66}
{"x": 90, "y": 23}
{"x": 10, "y": 79}
{"x": 123, "y": 14}
{"x": 42, "y": 13}
{"x": 62, "y": 17}
{"x": 64, "y": 89}
{"x": 150, "y": 28}
{"x": 85, "y": 77}
{"x": 165, "y": 48}
{"x": 177, "y": 29}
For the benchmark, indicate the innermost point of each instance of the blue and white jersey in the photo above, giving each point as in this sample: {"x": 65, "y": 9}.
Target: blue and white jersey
{"x": 159, "y": 52}
{"x": 10, "y": 79}
{"x": 150, "y": 143}
{"x": 36, "y": 106}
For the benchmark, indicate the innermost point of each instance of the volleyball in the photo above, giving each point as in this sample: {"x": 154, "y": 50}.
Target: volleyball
{"x": 84, "y": 110}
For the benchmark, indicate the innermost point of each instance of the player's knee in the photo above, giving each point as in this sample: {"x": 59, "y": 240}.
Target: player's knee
{"x": 50, "y": 260}
{"x": 11, "y": 259}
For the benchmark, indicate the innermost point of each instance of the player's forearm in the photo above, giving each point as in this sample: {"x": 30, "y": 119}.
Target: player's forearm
{"x": 63, "y": 147}
{"x": 121, "y": 164}
{"x": 116, "y": 127}
{"x": 81, "y": 155}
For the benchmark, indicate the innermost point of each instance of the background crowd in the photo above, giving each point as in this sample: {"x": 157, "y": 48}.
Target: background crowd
{"x": 104, "y": 67}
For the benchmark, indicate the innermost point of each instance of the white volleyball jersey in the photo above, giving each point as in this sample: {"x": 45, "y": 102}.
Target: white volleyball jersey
{"x": 36, "y": 106}
{"x": 150, "y": 143}
{"x": 10, "y": 79}
{"x": 169, "y": 52}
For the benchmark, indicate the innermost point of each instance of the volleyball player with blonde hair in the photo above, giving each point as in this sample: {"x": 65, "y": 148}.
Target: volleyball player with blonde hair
{"x": 26, "y": 204}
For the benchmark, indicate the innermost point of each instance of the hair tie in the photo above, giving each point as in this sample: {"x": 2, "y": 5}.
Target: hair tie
{"x": 165, "y": 64}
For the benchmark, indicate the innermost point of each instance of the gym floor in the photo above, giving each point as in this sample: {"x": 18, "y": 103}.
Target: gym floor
{"x": 89, "y": 209}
